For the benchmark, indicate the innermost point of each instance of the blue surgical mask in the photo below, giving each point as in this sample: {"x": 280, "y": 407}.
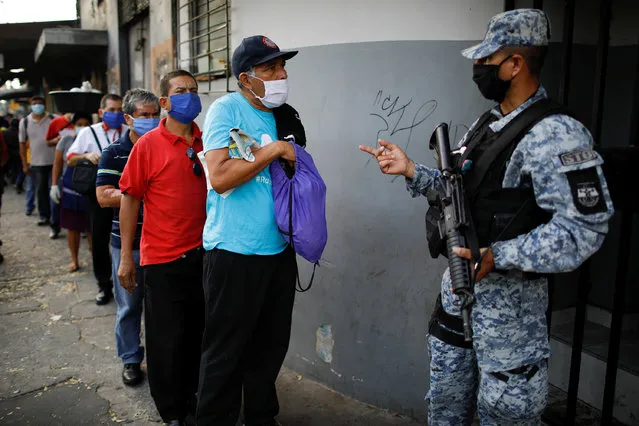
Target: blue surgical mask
{"x": 114, "y": 120}
{"x": 185, "y": 107}
{"x": 38, "y": 109}
{"x": 141, "y": 125}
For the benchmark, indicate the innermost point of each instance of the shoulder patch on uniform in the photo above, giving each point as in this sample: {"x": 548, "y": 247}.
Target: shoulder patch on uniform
{"x": 587, "y": 195}
{"x": 577, "y": 156}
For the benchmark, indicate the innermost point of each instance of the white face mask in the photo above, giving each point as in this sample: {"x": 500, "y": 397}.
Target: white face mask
{"x": 275, "y": 92}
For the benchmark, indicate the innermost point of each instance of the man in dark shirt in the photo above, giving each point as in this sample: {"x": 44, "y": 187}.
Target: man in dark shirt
{"x": 142, "y": 113}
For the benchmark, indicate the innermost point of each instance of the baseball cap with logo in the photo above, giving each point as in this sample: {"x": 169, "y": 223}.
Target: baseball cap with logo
{"x": 519, "y": 27}
{"x": 256, "y": 50}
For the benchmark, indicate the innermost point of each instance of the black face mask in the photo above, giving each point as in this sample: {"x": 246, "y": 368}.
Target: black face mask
{"x": 486, "y": 77}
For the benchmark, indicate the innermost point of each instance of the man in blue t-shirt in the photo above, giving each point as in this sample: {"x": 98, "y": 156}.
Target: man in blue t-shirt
{"x": 249, "y": 272}
{"x": 142, "y": 113}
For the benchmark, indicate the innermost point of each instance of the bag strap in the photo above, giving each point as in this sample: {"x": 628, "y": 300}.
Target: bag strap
{"x": 298, "y": 287}
{"x": 25, "y": 120}
{"x": 97, "y": 141}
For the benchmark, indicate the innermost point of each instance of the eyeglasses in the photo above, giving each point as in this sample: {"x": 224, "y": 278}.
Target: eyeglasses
{"x": 197, "y": 168}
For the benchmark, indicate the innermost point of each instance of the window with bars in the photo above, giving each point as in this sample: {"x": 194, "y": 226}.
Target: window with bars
{"x": 203, "y": 38}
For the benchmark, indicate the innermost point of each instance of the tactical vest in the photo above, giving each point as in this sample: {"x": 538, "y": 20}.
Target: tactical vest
{"x": 499, "y": 213}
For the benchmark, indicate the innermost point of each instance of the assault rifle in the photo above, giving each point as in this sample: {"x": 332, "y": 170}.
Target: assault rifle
{"x": 454, "y": 223}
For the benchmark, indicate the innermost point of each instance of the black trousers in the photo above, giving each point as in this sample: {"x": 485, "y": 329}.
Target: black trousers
{"x": 249, "y": 305}
{"x": 100, "y": 227}
{"x": 174, "y": 320}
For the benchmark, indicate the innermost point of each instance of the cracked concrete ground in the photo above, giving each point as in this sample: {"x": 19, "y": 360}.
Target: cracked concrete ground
{"x": 58, "y": 363}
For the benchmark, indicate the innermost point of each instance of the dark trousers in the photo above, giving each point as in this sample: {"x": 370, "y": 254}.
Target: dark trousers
{"x": 249, "y": 305}
{"x": 100, "y": 227}
{"x": 174, "y": 320}
{"x": 47, "y": 209}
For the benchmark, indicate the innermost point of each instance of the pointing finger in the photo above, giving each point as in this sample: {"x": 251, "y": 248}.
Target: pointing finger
{"x": 370, "y": 150}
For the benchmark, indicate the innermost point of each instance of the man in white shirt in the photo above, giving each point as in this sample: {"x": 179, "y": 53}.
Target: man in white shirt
{"x": 32, "y": 135}
{"x": 89, "y": 145}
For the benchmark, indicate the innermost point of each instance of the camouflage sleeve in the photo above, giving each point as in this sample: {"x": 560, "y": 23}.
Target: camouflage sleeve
{"x": 569, "y": 183}
{"x": 423, "y": 180}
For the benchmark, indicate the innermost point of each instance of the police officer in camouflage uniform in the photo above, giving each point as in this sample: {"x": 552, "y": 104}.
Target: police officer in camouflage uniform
{"x": 504, "y": 373}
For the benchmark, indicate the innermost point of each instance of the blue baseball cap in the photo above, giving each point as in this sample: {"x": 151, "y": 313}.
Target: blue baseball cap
{"x": 519, "y": 27}
{"x": 256, "y": 50}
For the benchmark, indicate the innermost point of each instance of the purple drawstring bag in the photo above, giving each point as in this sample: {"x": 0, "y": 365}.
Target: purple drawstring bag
{"x": 300, "y": 206}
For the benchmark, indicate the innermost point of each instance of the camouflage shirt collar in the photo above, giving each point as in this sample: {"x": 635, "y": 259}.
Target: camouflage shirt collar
{"x": 498, "y": 125}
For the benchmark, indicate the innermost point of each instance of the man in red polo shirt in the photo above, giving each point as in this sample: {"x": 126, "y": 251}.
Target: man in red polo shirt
{"x": 163, "y": 171}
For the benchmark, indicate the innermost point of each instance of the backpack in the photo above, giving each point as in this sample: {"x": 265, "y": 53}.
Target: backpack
{"x": 85, "y": 173}
{"x": 299, "y": 194}
{"x": 300, "y": 208}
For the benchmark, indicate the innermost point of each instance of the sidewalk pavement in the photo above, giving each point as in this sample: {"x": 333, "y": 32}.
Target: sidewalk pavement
{"x": 58, "y": 362}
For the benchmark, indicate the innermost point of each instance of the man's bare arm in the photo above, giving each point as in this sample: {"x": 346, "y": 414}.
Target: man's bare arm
{"x": 23, "y": 153}
{"x": 129, "y": 210}
{"x": 108, "y": 196}
{"x": 58, "y": 165}
{"x": 54, "y": 141}
{"x": 93, "y": 157}
{"x": 226, "y": 173}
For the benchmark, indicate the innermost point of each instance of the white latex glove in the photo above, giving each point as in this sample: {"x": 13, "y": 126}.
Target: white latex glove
{"x": 54, "y": 193}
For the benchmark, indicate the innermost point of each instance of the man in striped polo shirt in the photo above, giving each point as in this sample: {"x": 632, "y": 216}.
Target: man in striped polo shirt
{"x": 142, "y": 113}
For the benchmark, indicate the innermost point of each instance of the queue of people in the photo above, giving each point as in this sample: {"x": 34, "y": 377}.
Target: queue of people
{"x": 215, "y": 278}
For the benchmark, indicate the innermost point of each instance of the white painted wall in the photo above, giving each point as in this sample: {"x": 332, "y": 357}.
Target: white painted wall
{"x": 302, "y": 23}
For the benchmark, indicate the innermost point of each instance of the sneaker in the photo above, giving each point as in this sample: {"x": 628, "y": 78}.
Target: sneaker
{"x": 43, "y": 222}
{"x": 28, "y": 213}
{"x": 131, "y": 374}
{"x": 53, "y": 234}
{"x": 103, "y": 297}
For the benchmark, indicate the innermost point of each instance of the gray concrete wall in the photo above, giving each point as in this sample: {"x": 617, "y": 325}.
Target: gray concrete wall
{"x": 376, "y": 284}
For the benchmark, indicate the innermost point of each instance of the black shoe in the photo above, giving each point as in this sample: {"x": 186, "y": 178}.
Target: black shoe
{"x": 173, "y": 423}
{"x": 28, "y": 212}
{"x": 43, "y": 222}
{"x": 103, "y": 297}
{"x": 132, "y": 374}
{"x": 54, "y": 233}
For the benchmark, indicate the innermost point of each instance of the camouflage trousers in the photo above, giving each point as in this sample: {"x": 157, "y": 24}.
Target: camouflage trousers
{"x": 458, "y": 388}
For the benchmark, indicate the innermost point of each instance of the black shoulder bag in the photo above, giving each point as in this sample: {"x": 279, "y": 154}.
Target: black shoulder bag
{"x": 85, "y": 173}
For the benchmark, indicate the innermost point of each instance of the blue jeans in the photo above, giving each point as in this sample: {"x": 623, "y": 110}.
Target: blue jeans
{"x": 30, "y": 190}
{"x": 129, "y": 315}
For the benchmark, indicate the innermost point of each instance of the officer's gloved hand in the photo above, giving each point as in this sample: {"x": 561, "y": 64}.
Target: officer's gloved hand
{"x": 54, "y": 193}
